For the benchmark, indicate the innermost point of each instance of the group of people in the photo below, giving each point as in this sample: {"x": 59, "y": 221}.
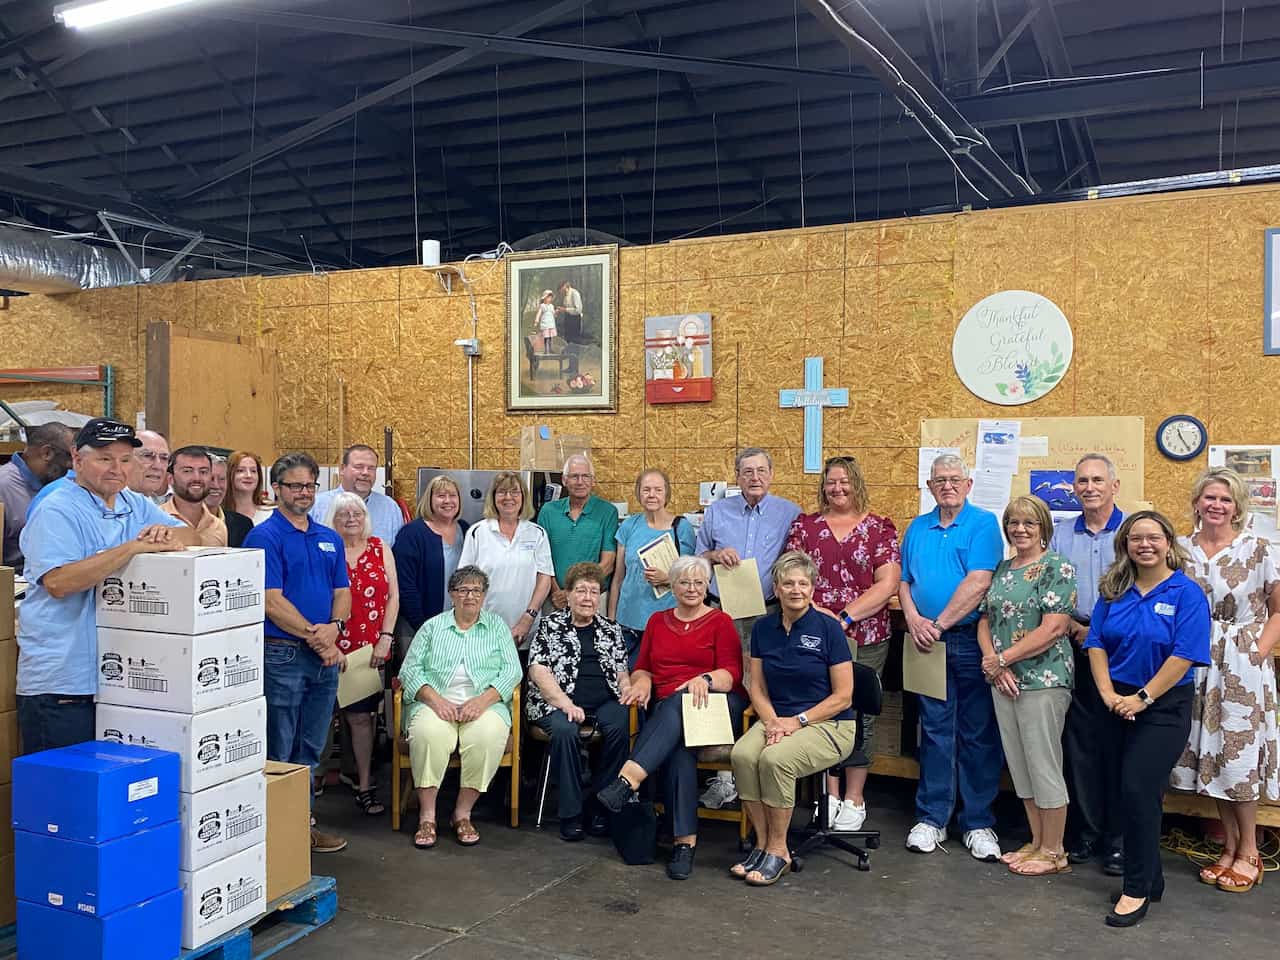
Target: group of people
{"x": 1106, "y": 656}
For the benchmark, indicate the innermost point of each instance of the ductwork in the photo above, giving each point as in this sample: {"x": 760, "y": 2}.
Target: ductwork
{"x": 36, "y": 263}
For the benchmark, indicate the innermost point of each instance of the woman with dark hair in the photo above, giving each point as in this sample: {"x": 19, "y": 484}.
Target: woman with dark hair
{"x": 428, "y": 550}
{"x": 246, "y": 478}
{"x": 1149, "y": 627}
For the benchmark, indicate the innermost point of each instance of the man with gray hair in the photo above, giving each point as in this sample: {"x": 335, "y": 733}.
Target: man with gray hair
{"x": 149, "y": 474}
{"x": 581, "y": 527}
{"x": 45, "y": 458}
{"x": 1088, "y": 541}
{"x": 948, "y": 557}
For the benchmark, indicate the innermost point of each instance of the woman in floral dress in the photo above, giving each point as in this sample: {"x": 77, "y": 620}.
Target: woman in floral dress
{"x": 1023, "y": 632}
{"x": 1231, "y": 753}
{"x": 859, "y": 567}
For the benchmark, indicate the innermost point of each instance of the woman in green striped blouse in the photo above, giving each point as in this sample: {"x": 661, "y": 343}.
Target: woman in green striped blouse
{"x": 458, "y": 677}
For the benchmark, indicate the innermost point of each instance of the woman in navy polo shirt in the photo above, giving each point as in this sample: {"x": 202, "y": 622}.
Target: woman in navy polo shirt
{"x": 802, "y": 691}
{"x": 1149, "y": 628}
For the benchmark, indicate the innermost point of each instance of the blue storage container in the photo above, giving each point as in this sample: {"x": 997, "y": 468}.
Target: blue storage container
{"x": 151, "y": 930}
{"x": 95, "y": 791}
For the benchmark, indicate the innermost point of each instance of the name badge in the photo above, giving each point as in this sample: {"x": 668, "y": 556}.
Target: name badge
{"x": 327, "y": 547}
{"x": 529, "y": 546}
{"x": 810, "y": 643}
{"x": 1165, "y": 609}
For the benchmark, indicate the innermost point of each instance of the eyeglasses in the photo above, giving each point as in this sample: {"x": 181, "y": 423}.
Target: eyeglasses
{"x": 943, "y": 482}
{"x": 586, "y": 591}
{"x": 109, "y": 514}
{"x": 1022, "y": 524}
{"x": 1139, "y": 538}
{"x": 296, "y": 488}
{"x": 752, "y": 472}
{"x": 348, "y": 515}
{"x": 469, "y": 591}
{"x": 509, "y": 494}
{"x": 686, "y": 584}
{"x": 151, "y": 455}
{"x": 579, "y": 476}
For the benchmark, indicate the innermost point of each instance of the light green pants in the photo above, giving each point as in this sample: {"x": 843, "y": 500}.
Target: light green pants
{"x": 480, "y": 745}
{"x": 769, "y": 773}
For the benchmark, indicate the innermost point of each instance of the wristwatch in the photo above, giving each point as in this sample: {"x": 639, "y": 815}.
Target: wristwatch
{"x": 803, "y": 718}
{"x": 846, "y": 619}
{"x": 707, "y": 677}
{"x": 938, "y": 626}
{"x": 342, "y": 624}
{"x": 1145, "y": 697}
{"x": 533, "y": 614}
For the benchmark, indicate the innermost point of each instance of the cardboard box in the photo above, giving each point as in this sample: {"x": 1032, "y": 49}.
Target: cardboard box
{"x": 9, "y": 746}
{"x": 182, "y": 674}
{"x": 151, "y": 930}
{"x": 223, "y": 820}
{"x": 223, "y": 895}
{"x": 288, "y": 828}
{"x": 541, "y": 448}
{"x": 8, "y": 618}
{"x": 187, "y": 592}
{"x": 6, "y": 820}
{"x": 8, "y": 675}
{"x": 215, "y": 746}
{"x": 95, "y": 792}
{"x": 8, "y": 899}
{"x": 96, "y": 878}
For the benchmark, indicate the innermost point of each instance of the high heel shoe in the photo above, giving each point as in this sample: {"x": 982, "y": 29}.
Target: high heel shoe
{"x": 1114, "y": 919}
{"x": 1232, "y": 881}
{"x": 1213, "y": 871}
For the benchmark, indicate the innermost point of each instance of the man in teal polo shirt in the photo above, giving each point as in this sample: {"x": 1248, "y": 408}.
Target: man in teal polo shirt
{"x": 580, "y": 527}
{"x": 948, "y": 557}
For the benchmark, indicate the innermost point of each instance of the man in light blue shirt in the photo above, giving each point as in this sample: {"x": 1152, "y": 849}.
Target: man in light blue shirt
{"x": 948, "y": 557}
{"x": 1088, "y": 541}
{"x": 358, "y": 471}
{"x": 82, "y": 532}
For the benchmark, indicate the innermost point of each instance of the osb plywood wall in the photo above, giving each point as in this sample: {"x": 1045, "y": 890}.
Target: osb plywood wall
{"x": 1164, "y": 295}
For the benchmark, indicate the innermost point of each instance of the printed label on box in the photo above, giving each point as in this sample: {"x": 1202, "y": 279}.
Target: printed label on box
{"x": 141, "y": 789}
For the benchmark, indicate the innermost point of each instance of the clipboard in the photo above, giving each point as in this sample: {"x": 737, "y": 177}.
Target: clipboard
{"x": 659, "y": 555}
{"x": 708, "y": 726}
{"x": 925, "y": 673}
{"x": 740, "y": 592}
{"x": 361, "y": 679}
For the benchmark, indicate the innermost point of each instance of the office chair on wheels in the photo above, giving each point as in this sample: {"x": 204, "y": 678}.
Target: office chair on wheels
{"x": 866, "y": 703}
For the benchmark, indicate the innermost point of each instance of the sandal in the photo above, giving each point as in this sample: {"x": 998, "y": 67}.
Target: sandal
{"x": 465, "y": 832}
{"x": 1232, "y": 880}
{"x": 425, "y": 838}
{"x": 1211, "y": 873}
{"x": 1011, "y": 857}
{"x": 1055, "y": 863}
{"x": 367, "y": 800}
{"x": 770, "y": 870}
{"x": 752, "y": 861}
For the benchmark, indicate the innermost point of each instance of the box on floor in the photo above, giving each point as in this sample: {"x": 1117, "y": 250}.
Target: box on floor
{"x": 151, "y": 930}
{"x": 288, "y": 827}
{"x": 223, "y": 895}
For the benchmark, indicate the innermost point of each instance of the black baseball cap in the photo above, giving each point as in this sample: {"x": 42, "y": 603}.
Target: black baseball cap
{"x": 101, "y": 432}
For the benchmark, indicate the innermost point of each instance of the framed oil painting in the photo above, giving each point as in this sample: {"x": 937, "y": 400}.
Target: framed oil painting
{"x": 562, "y": 331}
{"x": 1271, "y": 295}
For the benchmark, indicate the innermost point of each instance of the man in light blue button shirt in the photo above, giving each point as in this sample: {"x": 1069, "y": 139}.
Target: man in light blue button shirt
{"x": 1088, "y": 541}
{"x": 83, "y": 531}
{"x": 359, "y": 470}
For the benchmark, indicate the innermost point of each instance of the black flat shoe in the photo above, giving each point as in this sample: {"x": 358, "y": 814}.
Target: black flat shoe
{"x": 571, "y": 830}
{"x": 681, "y": 863}
{"x": 615, "y": 795}
{"x": 1113, "y": 864}
{"x": 1114, "y": 919}
{"x": 1155, "y": 897}
{"x": 771, "y": 868}
{"x": 1082, "y": 853}
{"x": 598, "y": 826}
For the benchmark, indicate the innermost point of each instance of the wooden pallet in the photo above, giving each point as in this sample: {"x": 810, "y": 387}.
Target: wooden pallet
{"x": 287, "y": 920}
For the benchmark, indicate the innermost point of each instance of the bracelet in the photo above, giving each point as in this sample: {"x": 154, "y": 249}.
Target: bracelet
{"x": 845, "y": 619}
{"x": 387, "y": 633}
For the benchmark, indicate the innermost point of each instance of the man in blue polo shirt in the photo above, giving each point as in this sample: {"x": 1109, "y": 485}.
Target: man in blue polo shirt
{"x": 1088, "y": 541}
{"x": 84, "y": 530}
{"x": 948, "y": 557}
{"x": 308, "y": 598}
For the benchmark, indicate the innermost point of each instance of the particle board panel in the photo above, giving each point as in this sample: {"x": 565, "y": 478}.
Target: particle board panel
{"x": 860, "y": 294}
{"x": 363, "y": 331}
{"x": 299, "y": 290}
{"x": 918, "y": 239}
{"x": 363, "y": 286}
{"x": 167, "y": 303}
{"x": 233, "y": 306}
{"x": 1023, "y": 249}
{"x": 631, "y": 264}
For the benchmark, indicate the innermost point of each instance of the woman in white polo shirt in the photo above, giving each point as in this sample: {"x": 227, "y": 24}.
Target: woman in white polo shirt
{"x": 514, "y": 552}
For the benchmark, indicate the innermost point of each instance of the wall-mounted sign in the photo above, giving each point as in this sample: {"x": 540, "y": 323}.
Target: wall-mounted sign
{"x": 1012, "y": 347}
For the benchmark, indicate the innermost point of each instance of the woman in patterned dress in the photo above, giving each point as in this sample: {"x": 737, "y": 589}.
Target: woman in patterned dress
{"x": 859, "y": 566}
{"x": 1231, "y": 753}
{"x": 375, "y": 604}
{"x": 1026, "y": 656}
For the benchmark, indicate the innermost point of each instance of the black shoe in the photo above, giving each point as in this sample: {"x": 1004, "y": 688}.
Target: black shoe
{"x": 1113, "y": 864}
{"x": 1129, "y": 919}
{"x": 681, "y": 863}
{"x": 571, "y": 829}
{"x": 615, "y": 795}
{"x": 598, "y": 826}
{"x": 1082, "y": 853}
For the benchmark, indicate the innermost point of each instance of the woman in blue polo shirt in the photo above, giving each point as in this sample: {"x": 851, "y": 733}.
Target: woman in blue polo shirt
{"x": 1149, "y": 628}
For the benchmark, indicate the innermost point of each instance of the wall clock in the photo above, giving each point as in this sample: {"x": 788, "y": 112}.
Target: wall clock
{"x": 1181, "y": 437}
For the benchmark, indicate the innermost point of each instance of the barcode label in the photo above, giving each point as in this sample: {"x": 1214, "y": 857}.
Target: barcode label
{"x": 148, "y": 606}
{"x": 240, "y": 601}
{"x": 237, "y": 676}
{"x": 245, "y": 824}
{"x": 151, "y": 684}
{"x": 238, "y": 751}
{"x": 244, "y": 898}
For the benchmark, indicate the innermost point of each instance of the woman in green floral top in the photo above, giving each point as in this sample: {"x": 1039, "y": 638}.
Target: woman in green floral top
{"x": 1027, "y": 660}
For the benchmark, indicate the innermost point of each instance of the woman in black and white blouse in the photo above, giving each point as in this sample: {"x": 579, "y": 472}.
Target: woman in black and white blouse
{"x": 578, "y": 669}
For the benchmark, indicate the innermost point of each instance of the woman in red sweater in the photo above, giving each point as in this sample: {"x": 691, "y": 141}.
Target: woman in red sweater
{"x": 692, "y": 649}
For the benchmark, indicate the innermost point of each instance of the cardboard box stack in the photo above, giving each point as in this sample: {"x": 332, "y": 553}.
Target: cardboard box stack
{"x": 97, "y": 842}
{"x": 887, "y": 739}
{"x": 8, "y": 739}
{"x": 180, "y": 668}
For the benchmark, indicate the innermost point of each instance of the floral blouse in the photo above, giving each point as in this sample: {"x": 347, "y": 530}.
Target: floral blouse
{"x": 556, "y": 647}
{"x": 1014, "y": 606}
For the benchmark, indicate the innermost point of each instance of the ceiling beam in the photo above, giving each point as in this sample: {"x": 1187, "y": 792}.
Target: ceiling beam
{"x": 1053, "y": 51}
{"x": 1010, "y": 38}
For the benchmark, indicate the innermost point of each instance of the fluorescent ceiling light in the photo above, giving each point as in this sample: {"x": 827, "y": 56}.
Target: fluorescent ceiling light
{"x": 83, "y": 16}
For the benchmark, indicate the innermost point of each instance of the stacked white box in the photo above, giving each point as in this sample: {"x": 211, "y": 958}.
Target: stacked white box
{"x": 180, "y": 668}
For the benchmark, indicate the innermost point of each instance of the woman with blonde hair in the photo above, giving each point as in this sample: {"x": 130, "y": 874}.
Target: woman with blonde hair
{"x": 428, "y": 550}
{"x": 1232, "y": 751}
{"x": 1023, "y": 632}
{"x": 514, "y": 552}
{"x": 1149, "y": 627}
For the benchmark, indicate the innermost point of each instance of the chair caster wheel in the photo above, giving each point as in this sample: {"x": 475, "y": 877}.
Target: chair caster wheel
{"x": 873, "y": 843}
{"x": 797, "y": 864}
{"x": 864, "y": 866}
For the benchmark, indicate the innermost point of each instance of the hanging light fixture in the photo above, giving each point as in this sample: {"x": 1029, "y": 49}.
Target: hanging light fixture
{"x": 100, "y": 13}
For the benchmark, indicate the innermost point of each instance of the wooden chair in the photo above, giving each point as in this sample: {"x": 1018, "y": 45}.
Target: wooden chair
{"x": 401, "y": 767}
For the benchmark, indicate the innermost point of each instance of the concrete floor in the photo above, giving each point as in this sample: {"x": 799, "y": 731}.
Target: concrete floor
{"x": 525, "y": 893}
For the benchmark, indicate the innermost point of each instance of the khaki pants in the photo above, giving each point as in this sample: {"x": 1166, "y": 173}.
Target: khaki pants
{"x": 1031, "y": 733}
{"x": 480, "y": 744}
{"x": 770, "y": 773}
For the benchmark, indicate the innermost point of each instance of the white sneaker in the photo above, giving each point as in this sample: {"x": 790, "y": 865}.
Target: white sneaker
{"x": 851, "y": 816}
{"x": 925, "y": 837}
{"x": 720, "y": 790}
{"x": 834, "y": 806}
{"x": 983, "y": 844}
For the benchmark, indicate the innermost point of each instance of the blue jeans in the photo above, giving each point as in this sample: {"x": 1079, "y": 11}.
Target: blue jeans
{"x": 49, "y": 720}
{"x": 959, "y": 741}
{"x": 301, "y": 692}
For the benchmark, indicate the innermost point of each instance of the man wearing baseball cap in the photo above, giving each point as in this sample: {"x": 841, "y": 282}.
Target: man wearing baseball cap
{"x": 83, "y": 531}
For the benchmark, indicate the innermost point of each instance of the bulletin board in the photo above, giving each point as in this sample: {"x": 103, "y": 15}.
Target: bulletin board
{"x": 1121, "y": 439}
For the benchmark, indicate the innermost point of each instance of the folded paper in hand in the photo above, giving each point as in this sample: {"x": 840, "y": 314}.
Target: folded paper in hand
{"x": 361, "y": 679}
{"x": 708, "y": 726}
